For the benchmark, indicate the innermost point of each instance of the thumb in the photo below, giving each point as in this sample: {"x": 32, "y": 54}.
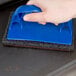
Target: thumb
{"x": 34, "y": 17}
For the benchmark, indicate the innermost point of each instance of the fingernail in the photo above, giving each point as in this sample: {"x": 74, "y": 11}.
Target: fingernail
{"x": 43, "y": 23}
{"x": 56, "y": 24}
{"x": 25, "y": 18}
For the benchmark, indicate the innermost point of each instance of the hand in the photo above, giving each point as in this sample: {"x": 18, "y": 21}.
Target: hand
{"x": 54, "y": 11}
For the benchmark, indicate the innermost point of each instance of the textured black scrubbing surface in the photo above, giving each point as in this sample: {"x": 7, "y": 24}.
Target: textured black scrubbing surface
{"x": 40, "y": 45}
{"x": 35, "y": 44}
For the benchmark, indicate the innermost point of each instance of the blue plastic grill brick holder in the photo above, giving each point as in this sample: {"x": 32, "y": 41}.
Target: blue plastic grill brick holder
{"x": 33, "y": 31}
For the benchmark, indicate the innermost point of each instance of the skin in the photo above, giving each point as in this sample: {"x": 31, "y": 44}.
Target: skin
{"x": 54, "y": 11}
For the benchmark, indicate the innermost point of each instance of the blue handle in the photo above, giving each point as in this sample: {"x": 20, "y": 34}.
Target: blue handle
{"x": 27, "y": 9}
{"x": 23, "y": 10}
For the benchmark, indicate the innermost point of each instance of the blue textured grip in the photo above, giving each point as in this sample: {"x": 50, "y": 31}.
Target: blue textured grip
{"x": 23, "y": 10}
{"x": 32, "y": 31}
